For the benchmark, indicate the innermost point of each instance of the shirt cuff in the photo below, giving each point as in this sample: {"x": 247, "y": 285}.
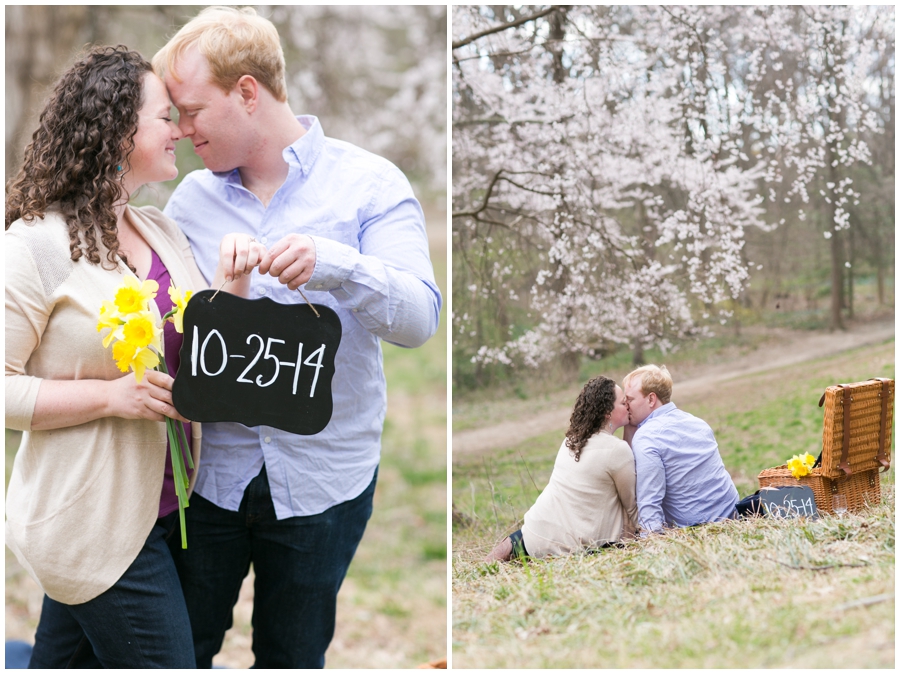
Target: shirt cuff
{"x": 21, "y": 397}
{"x": 333, "y": 264}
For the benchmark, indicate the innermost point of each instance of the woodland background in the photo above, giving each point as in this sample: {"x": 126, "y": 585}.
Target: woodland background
{"x": 376, "y": 77}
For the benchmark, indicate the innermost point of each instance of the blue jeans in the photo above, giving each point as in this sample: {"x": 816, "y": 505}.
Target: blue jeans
{"x": 299, "y": 564}
{"x": 140, "y": 622}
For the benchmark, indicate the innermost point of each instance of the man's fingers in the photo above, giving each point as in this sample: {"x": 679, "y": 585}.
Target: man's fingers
{"x": 266, "y": 263}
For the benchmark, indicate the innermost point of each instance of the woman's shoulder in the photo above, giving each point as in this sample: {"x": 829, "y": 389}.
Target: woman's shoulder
{"x": 153, "y": 214}
{"x": 42, "y": 237}
{"x": 158, "y": 220}
{"x": 607, "y": 445}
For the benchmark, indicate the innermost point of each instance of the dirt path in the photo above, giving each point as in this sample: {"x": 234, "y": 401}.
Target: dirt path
{"x": 790, "y": 348}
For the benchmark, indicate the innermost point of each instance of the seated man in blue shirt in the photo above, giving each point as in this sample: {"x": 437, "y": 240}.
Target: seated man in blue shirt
{"x": 681, "y": 480}
{"x": 343, "y": 224}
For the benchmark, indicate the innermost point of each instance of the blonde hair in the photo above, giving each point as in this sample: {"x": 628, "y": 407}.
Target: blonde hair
{"x": 654, "y": 379}
{"x": 235, "y": 42}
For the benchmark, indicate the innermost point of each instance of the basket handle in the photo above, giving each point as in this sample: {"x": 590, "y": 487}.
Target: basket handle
{"x": 882, "y": 457}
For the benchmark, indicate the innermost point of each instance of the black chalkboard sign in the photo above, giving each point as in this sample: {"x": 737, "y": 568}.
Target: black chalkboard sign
{"x": 257, "y": 362}
{"x": 788, "y": 502}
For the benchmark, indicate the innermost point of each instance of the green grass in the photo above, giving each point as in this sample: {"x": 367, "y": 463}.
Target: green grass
{"x": 762, "y": 593}
{"x": 736, "y": 594}
{"x": 392, "y": 611}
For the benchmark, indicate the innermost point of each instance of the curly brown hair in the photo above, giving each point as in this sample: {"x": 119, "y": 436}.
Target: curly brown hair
{"x": 592, "y": 409}
{"x": 80, "y": 150}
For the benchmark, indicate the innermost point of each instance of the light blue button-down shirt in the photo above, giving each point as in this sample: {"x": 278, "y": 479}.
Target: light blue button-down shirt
{"x": 681, "y": 479}
{"x": 372, "y": 268}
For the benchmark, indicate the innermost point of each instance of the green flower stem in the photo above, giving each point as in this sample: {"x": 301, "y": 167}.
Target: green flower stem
{"x": 178, "y": 448}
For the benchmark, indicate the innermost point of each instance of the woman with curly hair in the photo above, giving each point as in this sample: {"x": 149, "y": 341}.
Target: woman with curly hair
{"x": 589, "y": 501}
{"x": 91, "y": 498}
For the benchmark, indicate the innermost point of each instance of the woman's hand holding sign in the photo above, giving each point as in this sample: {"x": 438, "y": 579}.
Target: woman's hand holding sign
{"x": 239, "y": 254}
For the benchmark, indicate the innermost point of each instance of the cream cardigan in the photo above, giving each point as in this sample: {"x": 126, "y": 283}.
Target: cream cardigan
{"x": 587, "y": 502}
{"x": 81, "y": 500}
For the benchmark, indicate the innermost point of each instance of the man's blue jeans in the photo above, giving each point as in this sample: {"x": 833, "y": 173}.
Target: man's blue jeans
{"x": 299, "y": 564}
{"x": 140, "y": 622}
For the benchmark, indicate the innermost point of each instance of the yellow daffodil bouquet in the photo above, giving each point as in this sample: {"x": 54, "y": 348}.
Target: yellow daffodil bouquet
{"x": 801, "y": 464}
{"x": 137, "y": 345}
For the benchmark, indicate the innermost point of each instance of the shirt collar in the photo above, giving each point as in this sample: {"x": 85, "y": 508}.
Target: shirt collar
{"x": 302, "y": 153}
{"x": 659, "y": 411}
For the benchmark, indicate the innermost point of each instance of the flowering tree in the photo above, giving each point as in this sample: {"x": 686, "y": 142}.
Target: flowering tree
{"x": 609, "y": 160}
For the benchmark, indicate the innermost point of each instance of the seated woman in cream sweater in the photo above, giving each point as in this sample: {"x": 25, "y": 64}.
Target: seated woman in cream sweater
{"x": 590, "y": 500}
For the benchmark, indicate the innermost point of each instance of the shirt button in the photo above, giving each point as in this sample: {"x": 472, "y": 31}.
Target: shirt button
{"x": 318, "y": 285}
{"x": 261, "y": 290}
{"x": 264, "y": 239}
{"x": 356, "y": 311}
{"x": 268, "y": 439}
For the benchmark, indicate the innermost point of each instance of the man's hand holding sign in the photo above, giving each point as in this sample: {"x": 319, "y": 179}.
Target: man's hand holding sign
{"x": 258, "y": 362}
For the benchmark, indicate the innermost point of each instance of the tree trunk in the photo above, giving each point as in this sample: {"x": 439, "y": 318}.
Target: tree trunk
{"x": 38, "y": 39}
{"x": 570, "y": 362}
{"x": 850, "y": 276}
{"x": 837, "y": 279}
{"x": 637, "y": 357}
{"x": 557, "y": 36}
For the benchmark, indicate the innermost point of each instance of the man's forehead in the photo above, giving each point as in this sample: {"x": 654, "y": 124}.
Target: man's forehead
{"x": 189, "y": 71}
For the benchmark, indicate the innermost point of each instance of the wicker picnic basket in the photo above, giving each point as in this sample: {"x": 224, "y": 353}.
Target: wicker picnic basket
{"x": 856, "y": 443}
{"x": 861, "y": 489}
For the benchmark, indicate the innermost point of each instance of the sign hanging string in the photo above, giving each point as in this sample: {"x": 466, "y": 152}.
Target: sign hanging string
{"x": 298, "y": 290}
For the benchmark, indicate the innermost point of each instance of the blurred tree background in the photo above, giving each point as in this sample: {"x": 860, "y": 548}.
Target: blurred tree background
{"x": 376, "y": 77}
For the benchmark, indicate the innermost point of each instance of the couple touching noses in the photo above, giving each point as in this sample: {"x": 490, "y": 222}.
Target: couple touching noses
{"x": 667, "y": 472}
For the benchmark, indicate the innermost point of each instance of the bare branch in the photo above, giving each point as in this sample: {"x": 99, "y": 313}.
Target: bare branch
{"x": 504, "y": 26}
{"x": 487, "y": 198}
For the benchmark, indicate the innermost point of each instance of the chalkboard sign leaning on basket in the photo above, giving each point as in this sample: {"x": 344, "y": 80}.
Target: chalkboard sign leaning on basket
{"x": 856, "y": 443}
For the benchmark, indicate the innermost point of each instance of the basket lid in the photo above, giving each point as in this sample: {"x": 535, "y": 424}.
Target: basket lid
{"x": 866, "y": 409}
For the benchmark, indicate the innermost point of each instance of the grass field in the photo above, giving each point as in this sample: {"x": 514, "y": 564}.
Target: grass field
{"x": 392, "y": 608}
{"x": 739, "y": 594}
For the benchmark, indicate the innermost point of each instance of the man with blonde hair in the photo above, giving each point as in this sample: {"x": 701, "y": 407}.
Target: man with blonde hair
{"x": 681, "y": 480}
{"x": 343, "y": 224}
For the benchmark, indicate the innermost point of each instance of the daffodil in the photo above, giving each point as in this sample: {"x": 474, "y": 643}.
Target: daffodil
{"x": 133, "y": 295}
{"x": 110, "y": 318}
{"x": 801, "y": 465}
{"x": 140, "y": 330}
{"x": 138, "y": 346}
{"x": 180, "y": 301}
{"x": 134, "y": 357}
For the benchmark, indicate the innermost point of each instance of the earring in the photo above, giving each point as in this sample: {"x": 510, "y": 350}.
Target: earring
{"x": 119, "y": 168}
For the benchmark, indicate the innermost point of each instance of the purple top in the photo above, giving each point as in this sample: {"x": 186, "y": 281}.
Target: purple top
{"x": 168, "y": 500}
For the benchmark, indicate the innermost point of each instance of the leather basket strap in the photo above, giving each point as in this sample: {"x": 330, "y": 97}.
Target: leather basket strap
{"x": 845, "y": 449}
{"x": 882, "y": 457}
